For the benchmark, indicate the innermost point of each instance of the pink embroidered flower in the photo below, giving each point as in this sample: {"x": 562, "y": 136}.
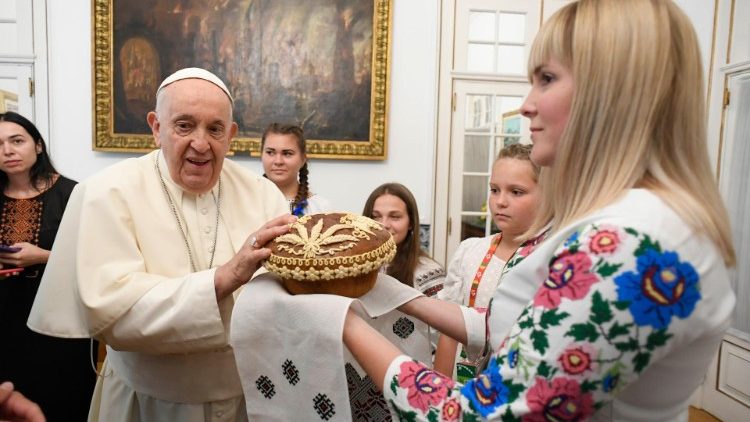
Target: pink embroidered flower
{"x": 451, "y": 410}
{"x": 530, "y": 245}
{"x": 569, "y": 277}
{"x": 605, "y": 240}
{"x": 424, "y": 386}
{"x": 578, "y": 358}
{"x": 561, "y": 400}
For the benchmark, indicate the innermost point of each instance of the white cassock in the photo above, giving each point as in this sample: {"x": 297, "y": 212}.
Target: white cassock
{"x": 120, "y": 271}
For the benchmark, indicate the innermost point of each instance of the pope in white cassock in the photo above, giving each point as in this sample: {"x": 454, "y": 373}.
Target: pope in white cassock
{"x": 148, "y": 258}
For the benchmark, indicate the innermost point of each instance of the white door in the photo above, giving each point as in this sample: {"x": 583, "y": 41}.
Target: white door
{"x": 726, "y": 391}
{"x": 485, "y": 50}
{"x": 485, "y": 119}
{"x": 15, "y": 88}
{"x": 16, "y": 56}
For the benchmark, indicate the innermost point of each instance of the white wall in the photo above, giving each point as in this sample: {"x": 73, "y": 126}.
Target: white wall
{"x": 701, "y": 13}
{"x": 411, "y": 121}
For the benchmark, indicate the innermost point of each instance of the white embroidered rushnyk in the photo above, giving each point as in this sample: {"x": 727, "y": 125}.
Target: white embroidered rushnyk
{"x": 289, "y": 352}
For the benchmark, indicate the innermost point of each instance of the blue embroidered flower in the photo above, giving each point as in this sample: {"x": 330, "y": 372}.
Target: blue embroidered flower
{"x": 661, "y": 287}
{"x": 571, "y": 239}
{"x": 487, "y": 391}
{"x": 299, "y": 210}
{"x": 610, "y": 382}
{"x": 513, "y": 357}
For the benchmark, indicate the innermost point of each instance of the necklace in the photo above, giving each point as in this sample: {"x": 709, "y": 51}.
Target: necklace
{"x": 183, "y": 232}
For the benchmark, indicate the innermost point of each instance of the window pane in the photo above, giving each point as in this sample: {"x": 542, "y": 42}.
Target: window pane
{"x": 473, "y": 226}
{"x": 512, "y": 27}
{"x": 482, "y": 26}
{"x": 478, "y": 113}
{"x": 510, "y": 60}
{"x": 479, "y": 58}
{"x": 475, "y": 193}
{"x": 9, "y": 35}
{"x": 503, "y": 141}
{"x": 505, "y": 104}
{"x": 8, "y": 11}
{"x": 476, "y": 151}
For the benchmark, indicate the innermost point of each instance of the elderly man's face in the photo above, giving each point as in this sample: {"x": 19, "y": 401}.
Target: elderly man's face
{"x": 193, "y": 127}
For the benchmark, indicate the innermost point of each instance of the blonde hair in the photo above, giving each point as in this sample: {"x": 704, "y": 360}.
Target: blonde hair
{"x": 637, "y": 115}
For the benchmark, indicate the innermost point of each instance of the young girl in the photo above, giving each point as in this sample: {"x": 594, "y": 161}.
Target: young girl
{"x": 393, "y": 205}
{"x": 618, "y": 313}
{"x": 284, "y": 157}
{"x": 478, "y": 263}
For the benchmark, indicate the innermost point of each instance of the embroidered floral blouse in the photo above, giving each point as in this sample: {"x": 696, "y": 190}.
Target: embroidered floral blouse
{"x": 614, "y": 318}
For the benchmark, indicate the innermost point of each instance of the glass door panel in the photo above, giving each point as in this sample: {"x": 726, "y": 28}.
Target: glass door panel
{"x": 489, "y": 120}
{"x": 493, "y": 36}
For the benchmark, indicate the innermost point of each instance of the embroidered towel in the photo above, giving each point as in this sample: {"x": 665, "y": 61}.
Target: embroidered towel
{"x": 289, "y": 351}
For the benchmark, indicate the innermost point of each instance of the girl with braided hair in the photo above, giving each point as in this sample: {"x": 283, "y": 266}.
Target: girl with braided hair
{"x": 284, "y": 156}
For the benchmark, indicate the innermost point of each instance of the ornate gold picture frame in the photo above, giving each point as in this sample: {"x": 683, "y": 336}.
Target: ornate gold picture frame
{"x": 323, "y": 64}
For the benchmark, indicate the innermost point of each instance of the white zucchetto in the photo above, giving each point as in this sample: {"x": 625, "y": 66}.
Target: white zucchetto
{"x": 195, "y": 73}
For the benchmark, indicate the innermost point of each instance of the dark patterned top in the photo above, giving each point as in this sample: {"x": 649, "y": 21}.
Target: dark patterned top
{"x": 20, "y": 221}
{"x": 63, "y": 364}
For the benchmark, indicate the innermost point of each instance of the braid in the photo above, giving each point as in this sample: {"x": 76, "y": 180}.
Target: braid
{"x": 303, "y": 188}
{"x": 300, "y": 199}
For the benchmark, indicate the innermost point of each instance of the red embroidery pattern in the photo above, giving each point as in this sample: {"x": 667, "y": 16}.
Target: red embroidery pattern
{"x": 21, "y": 221}
{"x": 483, "y": 266}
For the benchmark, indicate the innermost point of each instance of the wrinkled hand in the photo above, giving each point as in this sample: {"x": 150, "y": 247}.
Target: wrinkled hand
{"x": 27, "y": 256}
{"x": 230, "y": 276}
{"x": 15, "y": 407}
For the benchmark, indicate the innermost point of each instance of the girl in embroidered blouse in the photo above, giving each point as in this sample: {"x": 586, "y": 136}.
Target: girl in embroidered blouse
{"x": 618, "y": 312}
{"x": 394, "y": 206}
{"x": 284, "y": 156}
{"x": 478, "y": 264}
{"x": 56, "y": 373}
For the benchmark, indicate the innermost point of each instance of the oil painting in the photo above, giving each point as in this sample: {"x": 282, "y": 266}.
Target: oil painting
{"x": 322, "y": 64}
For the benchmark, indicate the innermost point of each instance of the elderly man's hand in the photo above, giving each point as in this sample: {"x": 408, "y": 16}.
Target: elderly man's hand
{"x": 230, "y": 276}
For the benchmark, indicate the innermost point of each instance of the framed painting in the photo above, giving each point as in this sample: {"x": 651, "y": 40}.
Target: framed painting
{"x": 322, "y": 64}
{"x": 511, "y": 128}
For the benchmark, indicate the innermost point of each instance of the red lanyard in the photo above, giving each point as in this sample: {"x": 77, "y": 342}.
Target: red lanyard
{"x": 483, "y": 266}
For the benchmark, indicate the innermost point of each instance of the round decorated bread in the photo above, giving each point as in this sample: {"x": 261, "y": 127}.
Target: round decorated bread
{"x": 335, "y": 253}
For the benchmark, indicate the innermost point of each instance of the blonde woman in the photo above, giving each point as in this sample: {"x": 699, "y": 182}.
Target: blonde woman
{"x": 617, "y": 314}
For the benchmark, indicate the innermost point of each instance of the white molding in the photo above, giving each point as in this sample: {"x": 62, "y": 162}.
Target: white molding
{"x": 441, "y": 198}
{"x": 487, "y": 77}
{"x": 735, "y": 67}
{"x": 737, "y": 337}
{"x": 17, "y": 58}
{"x": 733, "y": 359}
{"x": 41, "y": 71}
{"x": 714, "y": 106}
{"x": 436, "y": 127}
